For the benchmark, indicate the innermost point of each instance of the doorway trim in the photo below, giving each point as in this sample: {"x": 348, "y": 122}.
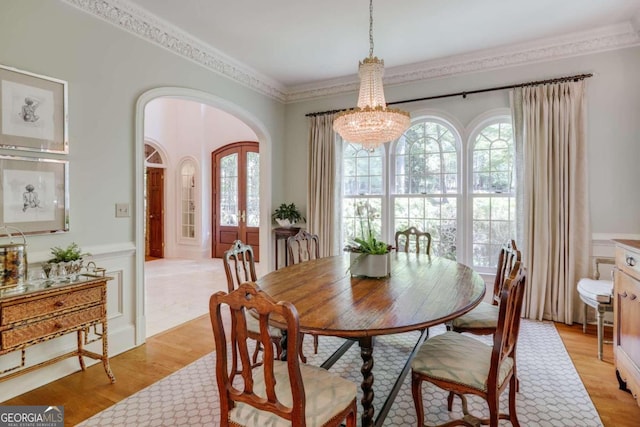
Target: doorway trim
{"x": 245, "y": 116}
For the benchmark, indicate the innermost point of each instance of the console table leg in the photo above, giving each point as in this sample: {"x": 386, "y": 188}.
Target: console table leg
{"x": 105, "y": 354}
{"x": 366, "y": 352}
{"x": 80, "y": 350}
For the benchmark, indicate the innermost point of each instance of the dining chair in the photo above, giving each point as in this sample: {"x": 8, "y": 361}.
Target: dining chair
{"x": 483, "y": 319}
{"x": 304, "y": 246}
{"x": 277, "y": 392}
{"x": 239, "y": 266}
{"x": 597, "y": 293}
{"x": 409, "y": 240}
{"x": 462, "y": 365}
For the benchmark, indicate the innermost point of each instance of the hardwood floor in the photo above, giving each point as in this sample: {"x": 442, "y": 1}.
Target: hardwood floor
{"x": 84, "y": 394}
{"x": 616, "y": 408}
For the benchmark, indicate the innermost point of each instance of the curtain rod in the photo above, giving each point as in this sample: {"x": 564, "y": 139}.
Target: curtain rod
{"x": 471, "y": 92}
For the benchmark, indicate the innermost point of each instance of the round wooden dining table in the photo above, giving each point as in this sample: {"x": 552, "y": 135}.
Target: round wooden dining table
{"x": 422, "y": 291}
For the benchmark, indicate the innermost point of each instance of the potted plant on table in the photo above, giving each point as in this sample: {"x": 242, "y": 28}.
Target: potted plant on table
{"x": 66, "y": 262}
{"x": 368, "y": 256}
{"x": 287, "y": 215}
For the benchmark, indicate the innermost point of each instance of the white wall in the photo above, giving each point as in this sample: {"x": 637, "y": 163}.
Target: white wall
{"x": 613, "y": 127}
{"x": 108, "y": 70}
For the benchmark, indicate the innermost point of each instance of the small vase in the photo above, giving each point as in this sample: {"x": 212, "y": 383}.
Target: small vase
{"x": 368, "y": 265}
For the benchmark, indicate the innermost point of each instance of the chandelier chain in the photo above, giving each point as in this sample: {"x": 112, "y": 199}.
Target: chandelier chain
{"x": 370, "y": 28}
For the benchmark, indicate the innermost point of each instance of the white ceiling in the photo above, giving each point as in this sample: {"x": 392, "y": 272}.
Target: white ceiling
{"x": 296, "y": 42}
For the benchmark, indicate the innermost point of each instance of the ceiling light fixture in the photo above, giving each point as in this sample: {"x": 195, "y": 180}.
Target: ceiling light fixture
{"x": 371, "y": 123}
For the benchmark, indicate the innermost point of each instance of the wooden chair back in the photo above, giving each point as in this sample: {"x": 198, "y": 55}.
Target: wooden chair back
{"x": 239, "y": 265}
{"x": 233, "y": 390}
{"x": 510, "y": 313}
{"x": 409, "y": 240}
{"x": 304, "y": 246}
{"x": 507, "y": 259}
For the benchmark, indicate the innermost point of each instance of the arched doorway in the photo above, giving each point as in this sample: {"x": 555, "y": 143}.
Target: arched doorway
{"x": 265, "y": 177}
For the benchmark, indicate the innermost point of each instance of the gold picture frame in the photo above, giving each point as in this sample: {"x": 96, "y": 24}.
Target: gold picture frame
{"x": 33, "y": 112}
{"x": 34, "y": 194}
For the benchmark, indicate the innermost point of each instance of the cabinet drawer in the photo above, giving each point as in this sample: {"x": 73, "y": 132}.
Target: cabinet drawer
{"x": 40, "y": 307}
{"x": 50, "y": 327}
{"x": 628, "y": 261}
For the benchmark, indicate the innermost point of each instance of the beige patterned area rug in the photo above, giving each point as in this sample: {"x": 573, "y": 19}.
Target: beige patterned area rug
{"x": 551, "y": 393}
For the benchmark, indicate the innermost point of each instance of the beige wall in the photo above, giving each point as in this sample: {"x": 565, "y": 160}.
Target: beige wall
{"x": 613, "y": 126}
{"x": 107, "y": 70}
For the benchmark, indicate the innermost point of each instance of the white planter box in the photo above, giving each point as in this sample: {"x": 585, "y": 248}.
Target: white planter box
{"x": 366, "y": 265}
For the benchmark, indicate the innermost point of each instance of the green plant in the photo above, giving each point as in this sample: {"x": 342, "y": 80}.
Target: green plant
{"x": 70, "y": 253}
{"x": 288, "y": 211}
{"x": 367, "y": 244}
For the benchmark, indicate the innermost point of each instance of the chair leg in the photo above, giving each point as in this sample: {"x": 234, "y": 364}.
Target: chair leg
{"x": 352, "y": 420}
{"x": 513, "y": 387}
{"x": 315, "y": 344}
{"x": 450, "y": 401}
{"x": 494, "y": 408}
{"x": 416, "y": 391}
{"x": 584, "y": 319}
{"x": 600, "y": 323}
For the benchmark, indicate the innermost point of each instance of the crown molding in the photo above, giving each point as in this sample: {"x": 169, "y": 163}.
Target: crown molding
{"x": 140, "y": 22}
{"x": 598, "y": 40}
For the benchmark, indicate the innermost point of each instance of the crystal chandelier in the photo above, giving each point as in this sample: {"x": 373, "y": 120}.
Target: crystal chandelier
{"x": 371, "y": 123}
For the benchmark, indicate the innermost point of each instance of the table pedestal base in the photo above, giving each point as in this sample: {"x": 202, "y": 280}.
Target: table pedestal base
{"x": 366, "y": 352}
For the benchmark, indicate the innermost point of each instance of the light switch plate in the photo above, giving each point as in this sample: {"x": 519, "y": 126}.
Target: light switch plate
{"x": 122, "y": 210}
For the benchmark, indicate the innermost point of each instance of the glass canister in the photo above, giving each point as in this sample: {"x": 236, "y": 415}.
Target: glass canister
{"x": 13, "y": 259}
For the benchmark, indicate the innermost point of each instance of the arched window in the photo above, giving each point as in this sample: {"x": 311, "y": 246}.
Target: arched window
{"x": 469, "y": 219}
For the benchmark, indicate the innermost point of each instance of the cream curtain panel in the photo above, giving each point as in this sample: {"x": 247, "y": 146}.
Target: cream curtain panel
{"x": 551, "y": 149}
{"x": 322, "y": 183}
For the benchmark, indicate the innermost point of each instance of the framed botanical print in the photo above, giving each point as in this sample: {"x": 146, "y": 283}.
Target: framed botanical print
{"x": 33, "y": 112}
{"x": 34, "y": 195}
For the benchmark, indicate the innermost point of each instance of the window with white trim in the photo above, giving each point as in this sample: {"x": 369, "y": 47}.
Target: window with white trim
{"x": 492, "y": 192}
{"x": 468, "y": 218}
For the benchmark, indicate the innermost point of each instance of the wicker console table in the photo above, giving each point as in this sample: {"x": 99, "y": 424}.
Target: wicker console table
{"x": 38, "y": 313}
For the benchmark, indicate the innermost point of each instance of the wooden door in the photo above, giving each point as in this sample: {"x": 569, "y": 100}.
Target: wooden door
{"x": 155, "y": 212}
{"x": 236, "y": 197}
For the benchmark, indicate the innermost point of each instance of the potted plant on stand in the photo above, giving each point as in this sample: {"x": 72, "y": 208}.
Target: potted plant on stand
{"x": 369, "y": 256}
{"x": 287, "y": 215}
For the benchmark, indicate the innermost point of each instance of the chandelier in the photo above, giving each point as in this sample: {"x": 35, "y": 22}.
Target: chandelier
{"x": 371, "y": 123}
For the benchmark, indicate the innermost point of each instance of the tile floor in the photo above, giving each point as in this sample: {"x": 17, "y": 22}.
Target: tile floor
{"x": 178, "y": 290}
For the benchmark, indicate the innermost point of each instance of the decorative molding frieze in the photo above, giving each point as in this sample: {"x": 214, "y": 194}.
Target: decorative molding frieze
{"x": 599, "y": 40}
{"x": 135, "y": 20}
{"x": 140, "y": 22}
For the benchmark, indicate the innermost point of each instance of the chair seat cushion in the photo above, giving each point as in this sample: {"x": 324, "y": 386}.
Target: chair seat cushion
{"x": 326, "y": 396}
{"x": 596, "y": 290}
{"x": 484, "y": 315}
{"x": 459, "y": 359}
